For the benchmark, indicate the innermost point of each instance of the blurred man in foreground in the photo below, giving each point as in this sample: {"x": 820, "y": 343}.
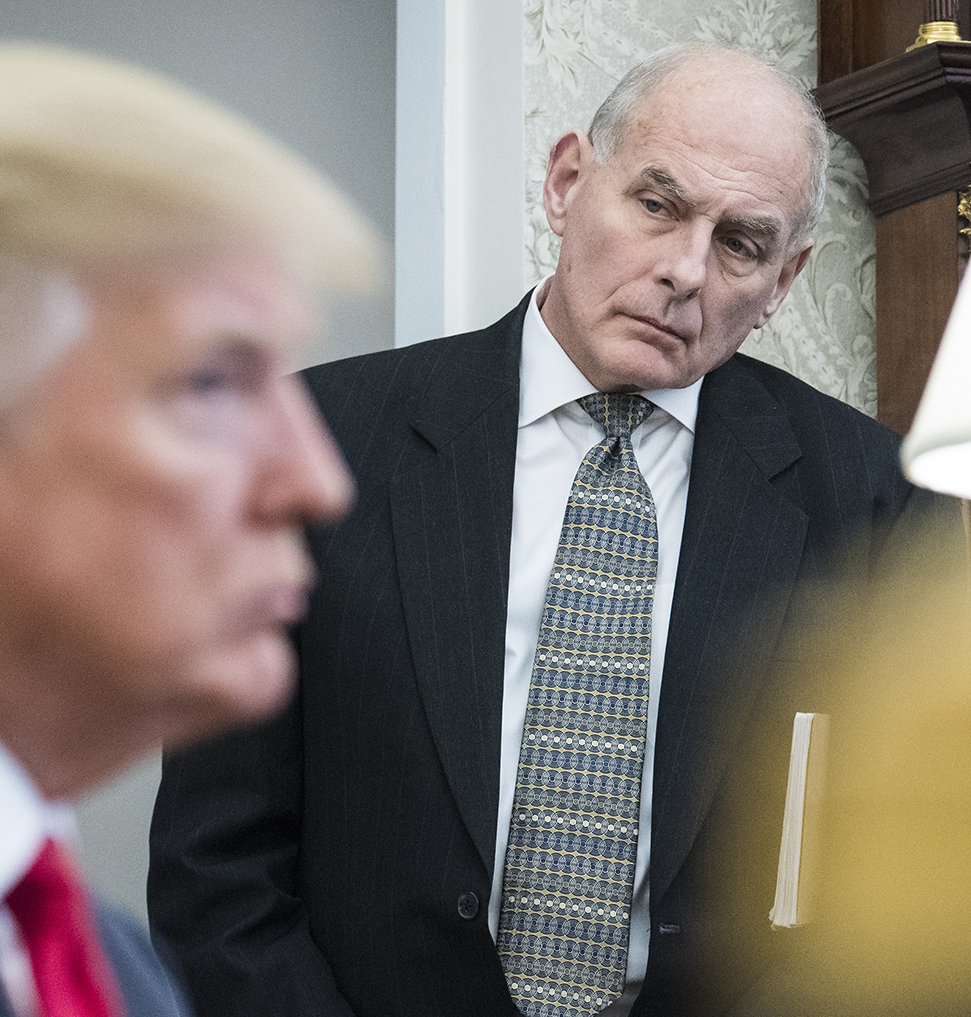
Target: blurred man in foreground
{"x": 158, "y": 258}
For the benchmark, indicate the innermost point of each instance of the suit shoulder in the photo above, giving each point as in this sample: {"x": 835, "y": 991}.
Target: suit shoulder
{"x": 409, "y": 369}
{"x": 342, "y": 387}
{"x": 389, "y": 384}
{"x": 381, "y": 405}
{"x": 844, "y": 462}
{"x": 813, "y": 411}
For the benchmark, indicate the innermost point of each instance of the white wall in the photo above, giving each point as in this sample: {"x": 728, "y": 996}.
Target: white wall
{"x": 459, "y": 211}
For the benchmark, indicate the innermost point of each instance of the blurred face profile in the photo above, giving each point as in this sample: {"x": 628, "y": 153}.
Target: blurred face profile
{"x": 152, "y": 490}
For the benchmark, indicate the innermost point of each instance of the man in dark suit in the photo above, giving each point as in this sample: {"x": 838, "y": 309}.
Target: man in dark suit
{"x": 158, "y": 259}
{"x": 350, "y": 858}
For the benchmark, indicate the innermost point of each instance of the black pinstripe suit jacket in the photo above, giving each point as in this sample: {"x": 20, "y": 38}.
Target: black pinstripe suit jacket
{"x": 339, "y": 860}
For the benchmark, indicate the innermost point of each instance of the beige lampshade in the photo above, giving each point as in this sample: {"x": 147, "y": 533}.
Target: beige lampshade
{"x": 937, "y": 451}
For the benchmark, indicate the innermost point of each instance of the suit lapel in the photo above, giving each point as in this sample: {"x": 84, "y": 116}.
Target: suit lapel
{"x": 742, "y": 546}
{"x": 452, "y": 516}
{"x": 452, "y": 519}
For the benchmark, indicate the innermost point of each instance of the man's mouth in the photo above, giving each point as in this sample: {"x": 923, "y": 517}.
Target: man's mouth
{"x": 657, "y": 326}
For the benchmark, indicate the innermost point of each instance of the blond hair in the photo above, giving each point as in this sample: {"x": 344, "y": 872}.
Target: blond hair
{"x": 104, "y": 164}
{"x": 107, "y": 169}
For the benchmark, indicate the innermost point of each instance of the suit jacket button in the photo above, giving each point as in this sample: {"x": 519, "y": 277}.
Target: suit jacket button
{"x": 468, "y": 905}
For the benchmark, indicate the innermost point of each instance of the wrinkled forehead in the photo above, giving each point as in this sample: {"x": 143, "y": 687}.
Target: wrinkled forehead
{"x": 736, "y": 116}
{"x": 722, "y": 99}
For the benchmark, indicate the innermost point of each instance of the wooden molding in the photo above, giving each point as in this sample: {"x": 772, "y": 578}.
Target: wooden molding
{"x": 908, "y": 115}
{"x": 917, "y": 280}
{"x": 910, "y": 120}
{"x": 853, "y": 34}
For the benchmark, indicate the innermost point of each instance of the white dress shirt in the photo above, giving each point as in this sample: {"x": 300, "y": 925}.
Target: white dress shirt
{"x": 554, "y": 435}
{"x": 26, "y": 821}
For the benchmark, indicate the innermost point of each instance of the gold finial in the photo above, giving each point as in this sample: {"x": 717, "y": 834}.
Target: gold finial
{"x": 940, "y": 23}
{"x": 964, "y": 211}
{"x": 936, "y": 31}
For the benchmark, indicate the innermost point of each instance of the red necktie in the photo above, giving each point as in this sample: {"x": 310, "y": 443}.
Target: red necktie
{"x": 57, "y": 924}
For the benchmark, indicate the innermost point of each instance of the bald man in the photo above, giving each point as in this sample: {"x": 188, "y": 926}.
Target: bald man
{"x": 516, "y": 778}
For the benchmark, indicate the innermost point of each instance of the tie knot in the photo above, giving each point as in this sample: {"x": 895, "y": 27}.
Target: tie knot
{"x": 618, "y": 413}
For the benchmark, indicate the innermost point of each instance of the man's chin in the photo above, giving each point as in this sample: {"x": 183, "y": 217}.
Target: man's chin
{"x": 653, "y": 377}
{"x": 236, "y": 687}
{"x": 637, "y": 365}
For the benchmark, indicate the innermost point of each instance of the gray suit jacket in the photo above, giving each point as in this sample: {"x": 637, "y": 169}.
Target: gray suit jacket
{"x": 146, "y": 986}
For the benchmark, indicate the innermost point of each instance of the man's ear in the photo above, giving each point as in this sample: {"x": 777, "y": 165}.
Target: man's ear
{"x": 562, "y": 174}
{"x": 793, "y": 266}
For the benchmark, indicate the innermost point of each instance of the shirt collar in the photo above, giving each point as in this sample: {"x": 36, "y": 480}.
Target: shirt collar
{"x": 549, "y": 378}
{"x": 28, "y": 819}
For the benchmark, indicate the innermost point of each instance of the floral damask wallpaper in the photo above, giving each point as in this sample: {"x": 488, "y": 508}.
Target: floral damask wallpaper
{"x": 577, "y": 50}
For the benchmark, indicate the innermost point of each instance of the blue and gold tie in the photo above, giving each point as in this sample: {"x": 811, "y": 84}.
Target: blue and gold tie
{"x": 564, "y": 923}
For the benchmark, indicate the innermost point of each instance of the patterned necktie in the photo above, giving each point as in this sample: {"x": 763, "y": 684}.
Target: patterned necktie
{"x": 50, "y": 905}
{"x": 564, "y": 923}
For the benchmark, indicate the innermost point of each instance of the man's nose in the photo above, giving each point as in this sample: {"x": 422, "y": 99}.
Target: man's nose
{"x": 682, "y": 265}
{"x": 310, "y": 480}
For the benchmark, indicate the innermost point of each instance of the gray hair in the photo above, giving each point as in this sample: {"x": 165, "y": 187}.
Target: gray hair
{"x": 611, "y": 121}
{"x": 103, "y": 164}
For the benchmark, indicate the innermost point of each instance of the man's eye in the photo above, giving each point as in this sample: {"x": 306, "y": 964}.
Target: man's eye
{"x": 740, "y": 247}
{"x": 653, "y": 205}
{"x": 212, "y": 379}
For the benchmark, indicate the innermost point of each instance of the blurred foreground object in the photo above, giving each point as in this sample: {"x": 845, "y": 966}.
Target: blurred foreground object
{"x": 890, "y": 934}
{"x": 937, "y": 451}
{"x": 898, "y": 874}
{"x": 159, "y": 258}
